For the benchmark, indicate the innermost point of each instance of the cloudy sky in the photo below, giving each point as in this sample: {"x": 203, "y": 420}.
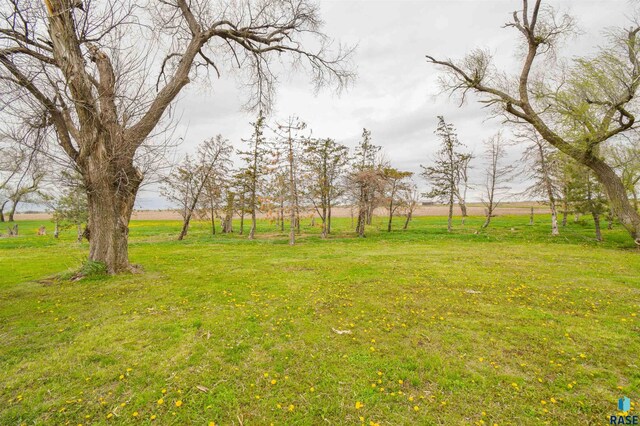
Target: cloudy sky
{"x": 396, "y": 94}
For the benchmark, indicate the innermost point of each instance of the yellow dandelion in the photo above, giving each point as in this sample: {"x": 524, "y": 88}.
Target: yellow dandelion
{"x": 178, "y": 403}
{"x": 291, "y": 407}
{"x": 153, "y": 417}
{"x": 273, "y": 382}
{"x": 160, "y": 401}
{"x": 359, "y": 405}
{"x": 135, "y": 414}
{"x": 416, "y": 408}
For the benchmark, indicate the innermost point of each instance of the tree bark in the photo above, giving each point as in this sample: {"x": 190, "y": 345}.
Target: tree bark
{"x": 463, "y": 210}
{"x": 617, "y": 195}
{"x": 110, "y": 204}
{"x": 596, "y": 221}
{"x": 406, "y": 222}
{"x": 554, "y": 219}
{"x": 565, "y": 206}
{"x": 531, "y": 217}
{"x": 449, "y": 221}
{"x": 12, "y": 212}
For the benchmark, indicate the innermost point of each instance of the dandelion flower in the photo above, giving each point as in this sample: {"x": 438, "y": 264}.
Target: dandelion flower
{"x": 359, "y": 405}
{"x": 178, "y": 403}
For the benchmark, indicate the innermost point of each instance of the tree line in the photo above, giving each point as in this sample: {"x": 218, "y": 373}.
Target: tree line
{"x": 77, "y": 75}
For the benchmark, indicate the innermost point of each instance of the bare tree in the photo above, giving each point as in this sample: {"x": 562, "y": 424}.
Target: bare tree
{"x": 496, "y": 175}
{"x": 186, "y": 184}
{"x": 214, "y": 157}
{"x": 577, "y": 108}
{"x": 73, "y": 66}
{"x": 69, "y": 206}
{"x": 445, "y": 172}
{"x": 410, "y": 197}
{"x": 539, "y": 157}
{"x": 12, "y": 159}
{"x": 365, "y": 179}
{"x": 396, "y": 183}
{"x": 325, "y": 161}
{"x": 254, "y": 171}
{"x": 289, "y": 142}
{"x": 462, "y": 183}
{"x": 587, "y": 196}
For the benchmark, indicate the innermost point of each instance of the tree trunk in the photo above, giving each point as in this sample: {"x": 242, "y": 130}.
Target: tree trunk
{"x": 252, "y": 230}
{"x": 390, "y": 215}
{"x": 449, "y": 221}
{"x": 406, "y": 222}
{"x": 282, "y": 215}
{"x": 185, "y": 226}
{"x": 213, "y": 217}
{"x": 463, "y": 210}
{"x": 324, "y": 219}
{"x": 610, "y": 219}
{"x": 554, "y": 218}
{"x": 329, "y": 217}
{"x": 617, "y": 195}
{"x": 56, "y": 231}
{"x": 531, "y": 217}
{"x": 12, "y": 212}
{"x": 110, "y": 206}
{"x": 2, "y": 210}
{"x": 79, "y": 232}
{"x": 293, "y": 203}
{"x": 487, "y": 215}
{"x": 596, "y": 221}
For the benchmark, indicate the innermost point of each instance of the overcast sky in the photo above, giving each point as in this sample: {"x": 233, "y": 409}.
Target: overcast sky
{"x": 396, "y": 94}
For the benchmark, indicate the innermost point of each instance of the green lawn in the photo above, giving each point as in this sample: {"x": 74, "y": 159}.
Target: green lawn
{"x": 506, "y": 326}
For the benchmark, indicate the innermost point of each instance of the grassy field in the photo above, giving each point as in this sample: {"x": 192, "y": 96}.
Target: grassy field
{"x": 417, "y": 327}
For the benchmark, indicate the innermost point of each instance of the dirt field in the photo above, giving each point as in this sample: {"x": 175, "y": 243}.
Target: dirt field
{"x": 474, "y": 209}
